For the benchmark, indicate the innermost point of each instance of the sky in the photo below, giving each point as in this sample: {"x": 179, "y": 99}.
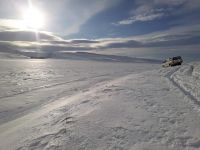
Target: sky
{"x": 102, "y": 24}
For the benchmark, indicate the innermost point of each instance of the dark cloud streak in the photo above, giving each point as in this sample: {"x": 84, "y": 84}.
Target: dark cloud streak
{"x": 25, "y": 36}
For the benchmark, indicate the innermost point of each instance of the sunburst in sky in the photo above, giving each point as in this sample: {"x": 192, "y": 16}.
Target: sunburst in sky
{"x": 33, "y": 18}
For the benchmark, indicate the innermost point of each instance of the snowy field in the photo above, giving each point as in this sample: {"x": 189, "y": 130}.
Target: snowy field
{"x": 75, "y": 105}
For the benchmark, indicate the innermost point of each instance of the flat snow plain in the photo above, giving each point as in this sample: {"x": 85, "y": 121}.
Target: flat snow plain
{"x": 75, "y": 105}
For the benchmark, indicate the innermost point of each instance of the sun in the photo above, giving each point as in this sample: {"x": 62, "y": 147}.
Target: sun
{"x": 33, "y": 18}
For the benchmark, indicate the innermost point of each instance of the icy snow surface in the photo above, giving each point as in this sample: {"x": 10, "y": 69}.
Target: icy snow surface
{"x": 76, "y": 105}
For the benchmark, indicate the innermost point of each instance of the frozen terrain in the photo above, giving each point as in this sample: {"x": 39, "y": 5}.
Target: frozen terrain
{"x": 70, "y": 104}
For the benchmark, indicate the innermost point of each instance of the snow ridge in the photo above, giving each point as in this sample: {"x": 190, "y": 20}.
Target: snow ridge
{"x": 172, "y": 77}
{"x": 187, "y": 80}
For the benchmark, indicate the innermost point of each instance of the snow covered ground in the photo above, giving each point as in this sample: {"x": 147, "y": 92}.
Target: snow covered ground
{"x": 28, "y": 83}
{"x": 70, "y": 104}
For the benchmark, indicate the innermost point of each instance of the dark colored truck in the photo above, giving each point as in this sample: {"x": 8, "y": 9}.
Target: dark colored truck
{"x": 170, "y": 62}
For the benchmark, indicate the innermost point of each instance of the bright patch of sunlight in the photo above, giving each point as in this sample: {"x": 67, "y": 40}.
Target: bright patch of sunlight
{"x": 33, "y": 18}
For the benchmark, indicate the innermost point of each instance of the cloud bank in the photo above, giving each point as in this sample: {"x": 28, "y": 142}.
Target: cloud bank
{"x": 26, "y": 43}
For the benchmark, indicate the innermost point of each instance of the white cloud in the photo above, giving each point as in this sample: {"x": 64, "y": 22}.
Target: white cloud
{"x": 142, "y": 18}
{"x": 169, "y": 2}
{"x": 176, "y": 36}
{"x": 145, "y": 10}
{"x": 10, "y": 24}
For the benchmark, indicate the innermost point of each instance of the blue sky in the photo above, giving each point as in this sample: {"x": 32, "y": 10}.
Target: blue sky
{"x": 104, "y": 24}
{"x": 106, "y": 18}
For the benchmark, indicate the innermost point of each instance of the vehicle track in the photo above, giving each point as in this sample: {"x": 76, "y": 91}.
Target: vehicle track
{"x": 49, "y": 86}
{"x": 56, "y": 104}
{"x": 169, "y": 76}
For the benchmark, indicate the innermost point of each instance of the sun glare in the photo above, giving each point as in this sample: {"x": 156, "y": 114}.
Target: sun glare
{"x": 33, "y": 18}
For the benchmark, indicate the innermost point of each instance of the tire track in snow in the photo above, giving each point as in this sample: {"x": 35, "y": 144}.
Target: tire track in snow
{"x": 41, "y": 87}
{"x": 49, "y": 86}
{"x": 24, "y": 120}
{"x": 169, "y": 76}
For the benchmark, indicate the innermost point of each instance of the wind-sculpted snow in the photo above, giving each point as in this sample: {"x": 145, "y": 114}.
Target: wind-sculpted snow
{"x": 188, "y": 78}
{"x": 28, "y": 83}
{"x": 127, "y": 107}
{"x": 196, "y": 70}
